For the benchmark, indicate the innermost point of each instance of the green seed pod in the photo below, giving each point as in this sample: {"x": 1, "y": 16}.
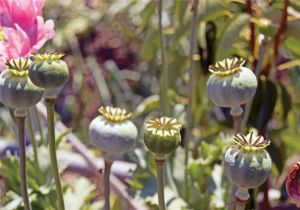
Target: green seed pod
{"x": 162, "y": 135}
{"x": 247, "y": 164}
{"x": 231, "y": 85}
{"x": 16, "y": 89}
{"x": 113, "y": 132}
{"x": 48, "y": 70}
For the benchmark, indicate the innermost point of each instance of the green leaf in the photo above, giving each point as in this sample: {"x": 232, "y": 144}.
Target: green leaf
{"x": 147, "y": 105}
{"x": 293, "y": 29}
{"x": 293, "y": 45}
{"x": 230, "y": 35}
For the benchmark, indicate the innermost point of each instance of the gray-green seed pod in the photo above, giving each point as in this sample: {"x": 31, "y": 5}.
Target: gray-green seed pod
{"x": 48, "y": 71}
{"x": 231, "y": 84}
{"x": 162, "y": 135}
{"x": 16, "y": 89}
{"x": 112, "y": 132}
{"x": 247, "y": 164}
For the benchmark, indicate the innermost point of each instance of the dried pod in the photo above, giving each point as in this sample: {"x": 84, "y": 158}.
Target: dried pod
{"x": 247, "y": 163}
{"x": 113, "y": 132}
{"x": 48, "y": 70}
{"x": 162, "y": 135}
{"x": 231, "y": 84}
{"x": 16, "y": 88}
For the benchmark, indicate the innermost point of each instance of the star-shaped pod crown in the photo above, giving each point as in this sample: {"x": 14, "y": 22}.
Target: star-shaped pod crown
{"x": 163, "y": 126}
{"x": 50, "y": 56}
{"x": 114, "y": 114}
{"x": 251, "y": 141}
{"x": 227, "y": 66}
{"x": 18, "y": 66}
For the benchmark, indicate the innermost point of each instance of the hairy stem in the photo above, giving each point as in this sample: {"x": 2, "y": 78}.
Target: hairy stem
{"x": 191, "y": 72}
{"x": 164, "y": 80}
{"x": 51, "y": 140}
{"x": 107, "y": 169}
{"x": 33, "y": 140}
{"x": 160, "y": 160}
{"x": 20, "y": 119}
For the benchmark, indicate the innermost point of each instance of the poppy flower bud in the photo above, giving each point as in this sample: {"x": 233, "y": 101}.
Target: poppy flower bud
{"x": 162, "y": 135}
{"x": 113, "y": 132}
{"x": 16, "y": 89}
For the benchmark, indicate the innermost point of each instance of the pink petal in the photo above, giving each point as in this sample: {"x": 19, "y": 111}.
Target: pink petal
{"x": 17, "y": 43}
{"x": 45, "y": 32}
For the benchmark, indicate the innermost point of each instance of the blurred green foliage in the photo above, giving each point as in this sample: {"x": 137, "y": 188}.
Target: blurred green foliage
{"x": 113, "y": 50}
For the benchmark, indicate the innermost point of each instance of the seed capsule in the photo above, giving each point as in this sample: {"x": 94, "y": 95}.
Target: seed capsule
{"x": 113, "y": 132}
{"x": 48, "y": 70}
{"x": 16, "y": 88}
{"x": 231, "y": 84}
{"x": 162, "y": 135}
{"x": 247, "y": 164}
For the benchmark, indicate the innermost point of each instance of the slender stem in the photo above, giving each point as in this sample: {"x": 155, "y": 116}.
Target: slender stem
{"x": 107, "y": 169}
{"x": 20, "y": 119}
{"x": 242, "y": 197}
{"x": 160, "y": 160}
{"x": 33, "y": 140}
{"x": 164, "y": 81}
{"x": 236, "y": 114}
{"x": 39, "y": 123}
{"x": 191, "y": 72}
{"x": 51, "y": 140}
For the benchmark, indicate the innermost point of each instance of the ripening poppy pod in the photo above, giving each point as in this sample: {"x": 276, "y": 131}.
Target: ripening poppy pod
{"x": 293, "y": 185}
{"x": 113, "y": 132}
{"x": 162, "y": 135}
{"x": 247, "y": 163}
{"x": 49, "y": 72}
{"x": 231, "y": 84}
{"x": 16, "y": 88}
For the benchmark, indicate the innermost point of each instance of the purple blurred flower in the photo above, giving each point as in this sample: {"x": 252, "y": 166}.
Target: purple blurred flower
{"x": 292, "y": 184}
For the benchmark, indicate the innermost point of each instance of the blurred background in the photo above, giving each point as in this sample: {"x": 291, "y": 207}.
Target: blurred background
{"x": 113, "y": 51}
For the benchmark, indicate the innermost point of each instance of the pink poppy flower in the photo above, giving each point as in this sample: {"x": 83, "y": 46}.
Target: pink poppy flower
{"x": 292, "y": 184}
{"x": 23, "y": 27}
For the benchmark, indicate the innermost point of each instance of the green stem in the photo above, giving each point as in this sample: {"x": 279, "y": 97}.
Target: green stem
{"x": 39, "y": 123}
{"x": 191, "y": 72}
{"x": 236, "y": 128}
{"x": 164, "y": 81}
{"x": 33, "y": 140}
{"x": 20, "y": 119}
{"x": 160, "y": 160}
{"x": 51, "y": 140}
{"x": 107, "y": 169}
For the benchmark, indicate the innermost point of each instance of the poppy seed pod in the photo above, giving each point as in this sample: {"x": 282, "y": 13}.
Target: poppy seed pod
{"x": 162, "y": 135}
{"x": 113, "y": 132}
{"x": 231, "y": 84}
{"x": 16, "y": 89}
{"x": 247, "y": 163}
{"x": 48, "y": 70}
